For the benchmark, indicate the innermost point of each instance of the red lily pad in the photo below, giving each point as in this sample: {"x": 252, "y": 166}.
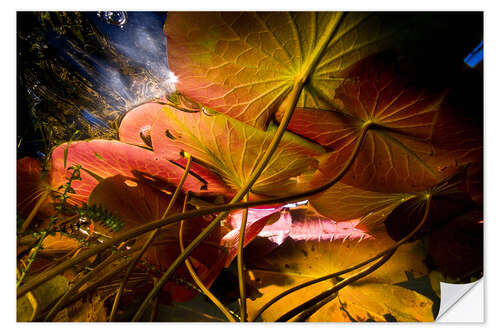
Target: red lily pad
{"x": 102, "y": 159}
{"x": 135, "y": 127}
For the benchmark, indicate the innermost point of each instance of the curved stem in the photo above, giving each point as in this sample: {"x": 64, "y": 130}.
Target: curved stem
{"x": 195, "y": 277}
{"x": 96, "y": 283}
{"x": 241, "y": 273}
{"x": 80, "y": 282}
{"x": 256, "y": 172}
{"x": 309, "y": 312}
{"x": 130, "y": 268}
{"x": 386, "y": 255}
{"x": 150, "y": 239}
{"x": 347, "y": 270}
{"x": 319, "y": 298}
{"x": 154, "y": 307}
{"x": 189, "y": 214}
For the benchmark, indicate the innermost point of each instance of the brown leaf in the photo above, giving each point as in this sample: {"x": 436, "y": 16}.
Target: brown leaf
{"x": 457, "y": 247}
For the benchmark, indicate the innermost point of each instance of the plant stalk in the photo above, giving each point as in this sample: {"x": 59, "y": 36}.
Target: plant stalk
{"x": 241, "y": 273}
{"x": 263, "y": 161}
{"x": 319, "y": 298}
{"x": 189, "y": 214}
{"x": 80, "y": 282}
{"x": 195, "y": 276}
{"x": 31, "y": 260}
{"x": 150, "y": 239}
{"x": 35, "y": 209}
{"x": 387, "y": 254}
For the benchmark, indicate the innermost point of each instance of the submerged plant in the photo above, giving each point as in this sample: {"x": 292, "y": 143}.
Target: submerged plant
{"x": 270, "y": 109}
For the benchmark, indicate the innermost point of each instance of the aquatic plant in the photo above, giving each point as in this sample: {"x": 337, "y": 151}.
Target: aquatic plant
{"x": 269, "y": 109}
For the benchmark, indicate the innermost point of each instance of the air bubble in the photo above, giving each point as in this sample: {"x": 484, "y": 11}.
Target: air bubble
{"x": 114, "y": 18}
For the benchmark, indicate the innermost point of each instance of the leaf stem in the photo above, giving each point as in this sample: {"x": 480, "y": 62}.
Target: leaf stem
{"x": 195, "y": 276}
{"x": 386, "y": 256}
{"x": 96, "y": 283}
{"x": 80, "y": 282}
{"x": 241, "y": 273}
{"x": 309, "y": 312}
{"x": 295, "y": 311}
{"x": 256, "y": 172}
{"x": 190, "y": 214}
{"x": 150, "y": 239}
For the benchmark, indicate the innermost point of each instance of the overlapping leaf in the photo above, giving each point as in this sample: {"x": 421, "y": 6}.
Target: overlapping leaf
{"x": 414, "y": 140}
{"x": 299, "y": 261}
{"x": 344, "y": 202}
{"x": 232, "y": 148}
{"x": 308, "y": 225}
{"x": 136, "y": 126}
{"x": 273, "y": 227}
{"x": 105, "y": 158}
{"x": 253, "y": 228}
{"x": 398, "y": 213}
{"x": 244, "y": 64}
{"x": 137, "y": 204}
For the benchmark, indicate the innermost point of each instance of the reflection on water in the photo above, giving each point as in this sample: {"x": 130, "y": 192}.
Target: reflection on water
{"x": 83, "y": 71}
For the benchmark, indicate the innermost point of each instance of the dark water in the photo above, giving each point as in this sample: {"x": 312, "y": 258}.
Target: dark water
{"x": 83, "y": 71}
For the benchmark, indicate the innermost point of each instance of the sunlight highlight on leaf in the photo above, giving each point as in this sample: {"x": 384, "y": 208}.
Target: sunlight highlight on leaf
{"x": 243, "y": 64}
{"x": 231, "y": 148}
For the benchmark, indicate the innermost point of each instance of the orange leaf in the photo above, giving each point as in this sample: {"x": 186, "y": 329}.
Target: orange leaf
{"x": 244, "y": 64}
{"x": 298, "y": 261}
{"x": 231, "y": 149}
